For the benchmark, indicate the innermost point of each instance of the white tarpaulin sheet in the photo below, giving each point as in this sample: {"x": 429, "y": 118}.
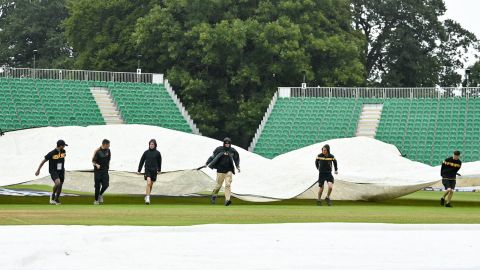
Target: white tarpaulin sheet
{"x": 272, "y": 246}
{"x": 368, "y": 169}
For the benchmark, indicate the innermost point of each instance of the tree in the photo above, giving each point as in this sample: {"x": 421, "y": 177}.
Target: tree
{"x": 100, "y": 33}
{"x": 26, "y": 26}
{"x": 408, "y": 44}
{"x": 226, "y": 58}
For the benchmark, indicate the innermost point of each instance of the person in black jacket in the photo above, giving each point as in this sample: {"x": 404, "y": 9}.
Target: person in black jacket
{"x": 153, "y": 166}
{"x": 324, "y": 162}
{"x": 224, "y": 159}
{"x": 449, "y": 173}
{"x": 56, "y": 168}
{"x": 101, "y": 164}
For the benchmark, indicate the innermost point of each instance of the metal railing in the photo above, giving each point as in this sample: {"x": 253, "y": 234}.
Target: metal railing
{"x": 80, "y": 75}
{"x": 385, "y": 92}
{"x": 182, "y": 109}
{"x": 260, "y": 128}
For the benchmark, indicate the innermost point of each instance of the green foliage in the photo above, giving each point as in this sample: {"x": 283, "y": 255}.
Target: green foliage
{"x": 226, "y": 58}
{"x": 26, "y": 26}
{"x": 100, "y": 33}
{"x": 226, "y": 65}
{"x": 408, "y": 44}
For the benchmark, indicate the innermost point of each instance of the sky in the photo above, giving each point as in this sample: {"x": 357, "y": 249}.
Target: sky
{"x": 465, "y": 12}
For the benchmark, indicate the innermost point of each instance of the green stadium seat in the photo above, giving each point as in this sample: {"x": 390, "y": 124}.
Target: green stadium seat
{"x": 35, "y": 103}
{"x": 162, "y": 111}
{"x": 420, "y": 128}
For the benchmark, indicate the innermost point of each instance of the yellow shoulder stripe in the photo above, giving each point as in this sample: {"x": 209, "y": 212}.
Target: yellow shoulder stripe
{"x": 452, "y": 164}
{"x": 328, "y": 159}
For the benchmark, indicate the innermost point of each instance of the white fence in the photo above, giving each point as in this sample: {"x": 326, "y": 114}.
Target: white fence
{"x": 81, "y": 75}
{"x": 381, "y": 92}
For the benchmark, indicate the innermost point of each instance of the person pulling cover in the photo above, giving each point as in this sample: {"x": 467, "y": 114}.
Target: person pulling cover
{"x": 101, "y": 164}
{"x": 224, "y": 159}
{"x": 56, "y": 168}
{"x": 323, "y": 162}
{"x": 449, "y": 171}
{"x": 153, "y": 166}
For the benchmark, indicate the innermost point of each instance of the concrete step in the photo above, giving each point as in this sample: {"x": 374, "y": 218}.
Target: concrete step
{"x": 107, "y": 106}
{"x": 370, "y": 115}
{"x": 371, "y": 111}
{"x": 367, "y": 136}
{"x": 369, "y": 120}
{"x": 369, "y": 133}
{"x": 103, "y": 99}
{"x": 113, "y": 120}
{"x": 371, "y": 128}
{"x": 100, "y": 91}
{"x": 109, "y": 111}
{"x": 111, "y": 116}
{"x": 366, "y": 131}
{"x": 376, "y": 114}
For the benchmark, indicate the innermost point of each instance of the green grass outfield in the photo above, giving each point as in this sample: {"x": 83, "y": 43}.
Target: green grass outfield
{"x": 420, "y": 207}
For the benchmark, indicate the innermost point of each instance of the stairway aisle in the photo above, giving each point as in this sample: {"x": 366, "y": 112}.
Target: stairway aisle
{"x": 107, "y": 106}
{"x": 369, "y": 120}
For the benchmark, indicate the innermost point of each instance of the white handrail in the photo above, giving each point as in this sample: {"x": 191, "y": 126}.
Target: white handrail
{"x": 382, "y": 92}
{"x": 259, "y": 131}
{"x": 79, "y": 75}
{"x": 182, "y": 109}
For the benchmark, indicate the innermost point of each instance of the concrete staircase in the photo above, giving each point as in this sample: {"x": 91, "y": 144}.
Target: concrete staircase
{"x": 369, "y": 119}
{"x": 109, "y": 110}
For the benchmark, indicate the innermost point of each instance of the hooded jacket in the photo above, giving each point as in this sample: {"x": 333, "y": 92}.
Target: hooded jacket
{"x": 224, "y": 159}
{"x": 324, "y": 162}
{"x": 152, "y": 159}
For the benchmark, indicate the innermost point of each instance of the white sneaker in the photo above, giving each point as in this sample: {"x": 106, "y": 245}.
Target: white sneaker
{"x": 147, "y": 200}
{"x": 96, "y": 203}
{"x": 52, "y": 202}
{"x": 100, "y": 199}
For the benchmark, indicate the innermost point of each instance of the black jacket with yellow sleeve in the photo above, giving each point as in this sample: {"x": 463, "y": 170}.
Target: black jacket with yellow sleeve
{"x": 324, "y": 163}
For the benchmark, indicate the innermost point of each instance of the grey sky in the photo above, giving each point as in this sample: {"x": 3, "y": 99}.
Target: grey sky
{"x": 465, "y": 12}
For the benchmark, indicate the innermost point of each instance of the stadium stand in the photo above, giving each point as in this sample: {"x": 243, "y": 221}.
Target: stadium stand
{"x": 424, "y": 129}
{"x": 298, "y": 122}
{"x": 49, "y": 100}
{"x": 427, "y": 130}
{"x": 148, "y": 104}
{"x": 27, "y": 103}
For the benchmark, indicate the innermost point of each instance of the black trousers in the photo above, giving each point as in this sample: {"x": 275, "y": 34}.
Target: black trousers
{"x": 102, "y": 181}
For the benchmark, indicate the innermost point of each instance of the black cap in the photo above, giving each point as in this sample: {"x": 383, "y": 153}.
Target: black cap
{"x": 456, "y": 153}
{"x": 61, "y": 143}
{"x": 227, "y": 140}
